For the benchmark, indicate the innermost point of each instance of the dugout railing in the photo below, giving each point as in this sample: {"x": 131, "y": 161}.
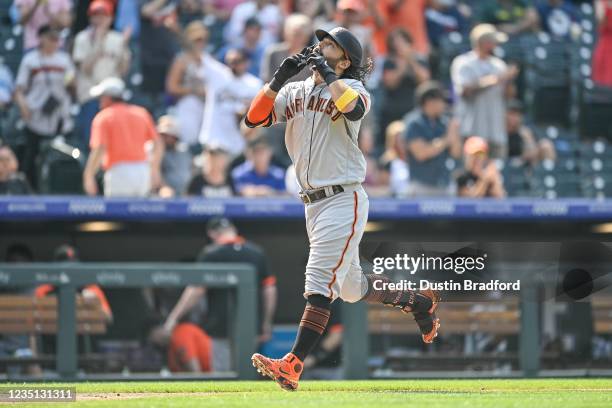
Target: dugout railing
{"x": 68, "y": 277}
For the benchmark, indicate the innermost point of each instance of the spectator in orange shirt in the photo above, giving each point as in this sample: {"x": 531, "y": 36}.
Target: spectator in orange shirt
{"x": 387, "y": 15}
{"x": 190, "y": 349}
{"x": 120, "y": 133}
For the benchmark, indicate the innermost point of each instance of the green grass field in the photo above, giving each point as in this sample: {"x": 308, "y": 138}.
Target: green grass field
{"x": 563, "y": 393}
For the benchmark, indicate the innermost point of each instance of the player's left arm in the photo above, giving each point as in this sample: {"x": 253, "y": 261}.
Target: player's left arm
{"x": 348, "y": 98}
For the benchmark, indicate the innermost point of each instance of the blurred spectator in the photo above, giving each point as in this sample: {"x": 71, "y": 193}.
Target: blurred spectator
{"x": 7, "y": 86}
{"x": 228, "y": 246}
{"x": 376, "y": 182}
{"x": 159, "y": 32}
{"x": 431, "y": 140}
{"x": 42, "y": 96}
{"x": 388, "y": 15}
{"x": 559, "y": 18}
{"x": 257, "y": 177}
{"x": 229, "y": 93}
{"x": 480, "y": 80}
{"x": 127, "y": 17}
{"x": 253, "y": 50}
{"x": 443, "y": 17}
{"x": 265, "y": 11}
{"x": 510, "y": 16}
{"x": 213, "y": 181}
{"x": 11, "y": 182}
{"x": 99, "y": 53}
{"x": 186, "y": 81}
{"x": 402, "y": 73}
{"x": 176, "y": 163}
{"x": 119, "y": 135}
{"x": 602, "y": 56}
{"x": 393, "y": 160}
{"x": 351, "y": 15}
{"x": 297, "y": 34}
{"x": 481, "y": 178}
{"x": 521, "y": 140}
{"x": 190, "y": 10}
{"x": 320, "y": 12}
{"x": 35, "y": 14}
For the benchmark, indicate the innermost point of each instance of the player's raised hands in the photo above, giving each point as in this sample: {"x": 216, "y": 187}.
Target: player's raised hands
{"x": 318, "y": 63}
{"x": 290, "y": 66}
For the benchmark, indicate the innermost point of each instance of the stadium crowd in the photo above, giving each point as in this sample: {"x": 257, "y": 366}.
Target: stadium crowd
{"x": 153, "y": 92}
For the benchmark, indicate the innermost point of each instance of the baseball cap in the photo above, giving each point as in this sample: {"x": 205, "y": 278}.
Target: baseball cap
{"x": 100, "y": 6}
{"x": 355, "y": 5}
{"x": 218, "y": 223}
{"x": 167, "y": 125}
{"x": 112, "y": 86}
{"x": 260, "y": 141}
{"x": 487, "y": 32}
{"x": 252, "y": 22}
{"x": 475, "y": 144}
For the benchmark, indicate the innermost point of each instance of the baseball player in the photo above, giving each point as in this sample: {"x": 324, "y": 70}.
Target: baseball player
{"x": 323, "y": 116}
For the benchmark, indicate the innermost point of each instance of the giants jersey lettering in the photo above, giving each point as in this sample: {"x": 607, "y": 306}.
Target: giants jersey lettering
{"x": 321, "y": 142}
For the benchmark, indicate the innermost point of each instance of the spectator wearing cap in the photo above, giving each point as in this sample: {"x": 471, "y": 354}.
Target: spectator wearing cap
{"x": 522, "y": 144}
{"x": 250, "y": 46}
{"x": 257, "y": 176}
{"x": 99, "y": 53}
{"x": 267, "y": 12}
{"x": 213, "y": 181}
{"x": 510, "y": 16}
{"x": 11, "y": 181}
{"x": 176, "y": 163}
{"x": 403, "y": 71}
{"x": 186, "y": 81}
{"x": 480, "y": 81}
{"x": 229, "y": 94}
{"x": 480, "y": 178}
{"x": 120, "y": 133}
{"x": 387, "y": 15}
{"x": 35, "y": 14}
{"x": 297, "y": 34}
{"x": 431, "y": 140}
{"x": 228, "y": 246}
{"x": 42, "y": 94}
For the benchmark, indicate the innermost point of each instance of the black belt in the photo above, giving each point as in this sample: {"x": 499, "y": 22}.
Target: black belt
{"x": 320, "y": 193}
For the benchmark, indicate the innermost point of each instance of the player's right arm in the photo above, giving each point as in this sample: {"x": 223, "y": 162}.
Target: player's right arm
{"x": 269, "y": 104}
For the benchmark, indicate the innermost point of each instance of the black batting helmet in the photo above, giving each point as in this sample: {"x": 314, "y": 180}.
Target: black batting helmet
{"x": 347, "y": 40}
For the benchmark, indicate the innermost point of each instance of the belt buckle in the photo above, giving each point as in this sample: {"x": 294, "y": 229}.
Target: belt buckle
{"x": 305, "y": 198}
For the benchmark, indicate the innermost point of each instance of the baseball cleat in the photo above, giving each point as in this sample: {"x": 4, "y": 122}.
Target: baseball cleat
{"x": 428, "y": 322}
{"x": 285, "y": 371}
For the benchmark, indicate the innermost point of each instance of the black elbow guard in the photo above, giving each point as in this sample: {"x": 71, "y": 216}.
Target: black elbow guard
{"x": 267, "y": 122}
{"x": 358, "y": 111}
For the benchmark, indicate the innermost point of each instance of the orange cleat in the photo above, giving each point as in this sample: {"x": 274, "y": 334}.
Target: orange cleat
{"x": 285, "y": 371}
{"x": 429, "y": 317}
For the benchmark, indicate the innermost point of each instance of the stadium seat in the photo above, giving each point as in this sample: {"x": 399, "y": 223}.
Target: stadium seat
{"x": 61, "y": 169}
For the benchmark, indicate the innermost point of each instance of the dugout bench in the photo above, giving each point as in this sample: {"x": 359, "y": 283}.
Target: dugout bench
{"x": 72, "y": 317}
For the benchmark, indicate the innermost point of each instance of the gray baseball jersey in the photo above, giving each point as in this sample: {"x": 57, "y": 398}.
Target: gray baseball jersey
{"x": 321, "y": 142}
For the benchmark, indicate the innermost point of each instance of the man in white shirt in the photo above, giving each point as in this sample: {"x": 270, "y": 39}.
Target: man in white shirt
{"x": 269, "y": 15}
{"x": 228, "y": 95}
